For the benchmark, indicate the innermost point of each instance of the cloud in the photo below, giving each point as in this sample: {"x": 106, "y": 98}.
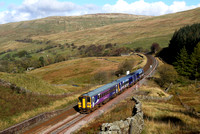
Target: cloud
{"x": 34, "y": 9}
{"x": 141, "y": 7}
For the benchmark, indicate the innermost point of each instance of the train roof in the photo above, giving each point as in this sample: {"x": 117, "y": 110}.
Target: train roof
{"x": 101, "y": 89}
{"x": 124, "y": 78}
{"x": 139, "y": 71}
{"x": 109, "y": 85}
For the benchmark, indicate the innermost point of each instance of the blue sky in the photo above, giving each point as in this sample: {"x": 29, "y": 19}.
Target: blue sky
{"x": 20, "y": 10}
{"x": 103, "y": 2}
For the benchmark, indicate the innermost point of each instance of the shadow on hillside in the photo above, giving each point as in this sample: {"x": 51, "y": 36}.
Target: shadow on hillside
{"x": 166, "y": 119}
{"x": 181, "y": 111}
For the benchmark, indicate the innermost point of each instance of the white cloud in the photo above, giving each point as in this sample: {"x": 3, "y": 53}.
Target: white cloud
{"x": 34, "y": 9}
{"x": 141, "y": 7}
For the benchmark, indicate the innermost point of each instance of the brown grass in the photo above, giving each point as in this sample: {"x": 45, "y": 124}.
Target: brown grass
{"x": 168, "y": 118}
{"x": 79, "y": 71}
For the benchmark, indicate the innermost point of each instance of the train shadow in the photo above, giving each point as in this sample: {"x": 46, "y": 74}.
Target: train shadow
{"x": 76, "y": 108}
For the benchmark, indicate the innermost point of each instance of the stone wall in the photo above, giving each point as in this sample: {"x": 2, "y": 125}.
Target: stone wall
{"x": 132, "y": 125}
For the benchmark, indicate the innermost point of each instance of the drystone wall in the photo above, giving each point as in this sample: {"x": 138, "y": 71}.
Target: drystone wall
{"x": 132, "y": 125}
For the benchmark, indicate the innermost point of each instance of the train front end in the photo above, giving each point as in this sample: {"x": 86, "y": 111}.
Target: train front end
{"x": 84, "y": 104}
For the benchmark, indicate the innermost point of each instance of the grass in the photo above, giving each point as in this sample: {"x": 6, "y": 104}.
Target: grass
{"x": 11, "y": 105}
{"x": 165, "y": 118}
{"x": 10, "y": 32}
{"x": 136, "y": 33}
{"x": 80, "y": 71}
{"x": 31, "y": 83}
{"x": 38, "y": 109}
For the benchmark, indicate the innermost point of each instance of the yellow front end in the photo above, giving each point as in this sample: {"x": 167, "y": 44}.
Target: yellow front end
{"x": 89, "y": 105}
{"x": 84, "y": 104}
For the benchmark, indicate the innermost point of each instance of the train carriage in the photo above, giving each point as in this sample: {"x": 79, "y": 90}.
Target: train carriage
{"x": 89, "y": 101}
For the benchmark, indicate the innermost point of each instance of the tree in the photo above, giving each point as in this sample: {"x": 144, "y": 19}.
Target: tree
{"x": 41, "y": 59}
{"x": 167, "y": 75}
{"x": 126, "y": 65}
{"x": 139, "y": 49}
{"x": 101, "y": 77}
{"x": 155, "y": 47}
{"x": 195, "y": 63}
{"x": 22, "y": 53}
{"x": 188, "y": 37}
{"x": 182, "y": 63}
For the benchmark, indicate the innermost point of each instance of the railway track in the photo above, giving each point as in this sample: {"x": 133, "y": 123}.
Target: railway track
{"x": 71, "y": 119}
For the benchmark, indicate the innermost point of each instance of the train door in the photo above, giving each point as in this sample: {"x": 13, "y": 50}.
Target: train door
{"x": 117, "y": 88}
{"x": 130, "y": 80}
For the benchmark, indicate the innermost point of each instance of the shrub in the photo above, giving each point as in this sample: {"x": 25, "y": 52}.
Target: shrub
{"x": 167, "y": 75}
{"x": 126, "y": 65}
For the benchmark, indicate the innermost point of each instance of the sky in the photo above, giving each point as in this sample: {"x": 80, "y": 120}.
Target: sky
{"x": 21, "y": 10}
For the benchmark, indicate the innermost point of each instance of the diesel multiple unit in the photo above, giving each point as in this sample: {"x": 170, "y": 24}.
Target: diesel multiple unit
{"x": 91, "y": 100}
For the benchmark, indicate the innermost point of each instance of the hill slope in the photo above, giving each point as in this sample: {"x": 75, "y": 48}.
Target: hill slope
{"x": 135, "y": 33}
{"x": 52, "y": 25}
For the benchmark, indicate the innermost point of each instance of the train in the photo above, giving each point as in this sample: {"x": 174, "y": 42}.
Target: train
{"x": 89, "y": 101}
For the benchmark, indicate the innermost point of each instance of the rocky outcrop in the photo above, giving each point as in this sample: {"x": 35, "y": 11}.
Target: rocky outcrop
{"x": 132, "y": 125}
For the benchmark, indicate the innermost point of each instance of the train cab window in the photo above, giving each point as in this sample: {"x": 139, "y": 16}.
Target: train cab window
{"x": 88, "y": 99}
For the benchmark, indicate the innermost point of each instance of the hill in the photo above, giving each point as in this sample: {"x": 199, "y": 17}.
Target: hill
{"x": 72, "y": 76}
{"x": 135, "y": 33}
{"x": 11, "y": 32}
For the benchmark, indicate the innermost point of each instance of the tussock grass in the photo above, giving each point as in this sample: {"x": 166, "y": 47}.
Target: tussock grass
{"x": 133, "y": 34}
{"x": 168, "y": 118}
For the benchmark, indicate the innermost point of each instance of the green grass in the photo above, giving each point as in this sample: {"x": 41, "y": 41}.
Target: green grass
{"x": 31, "y": 83}
{"x": 163, "y": 41}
